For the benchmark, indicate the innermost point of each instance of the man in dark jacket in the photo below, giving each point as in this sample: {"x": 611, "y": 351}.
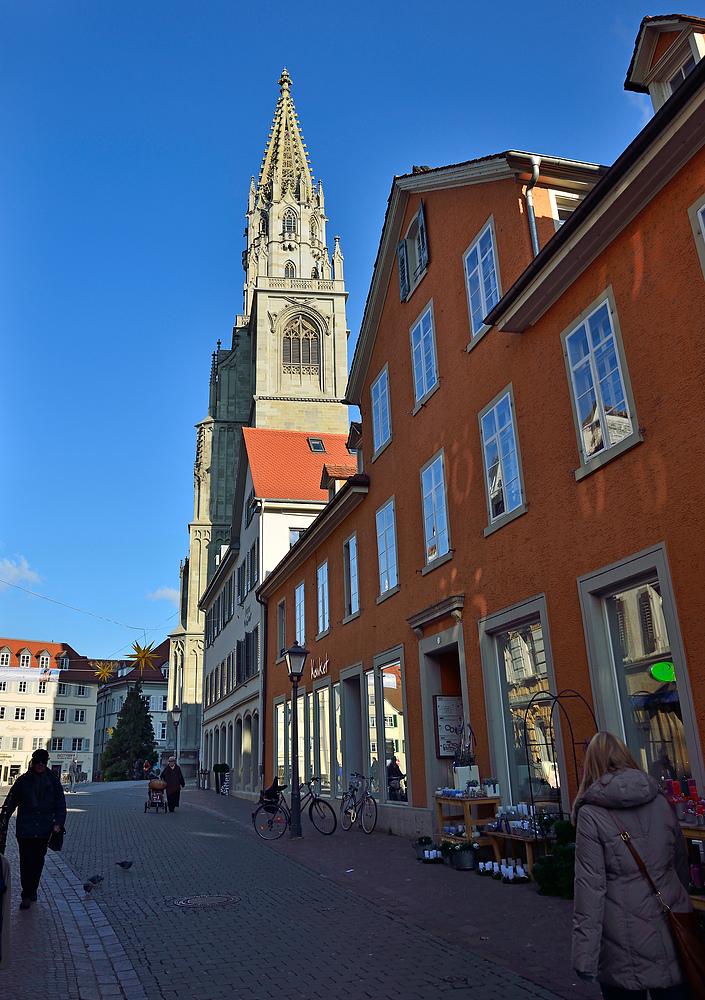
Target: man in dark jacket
{"x": 174, "y": 783}
{"x": 39, "y": 800}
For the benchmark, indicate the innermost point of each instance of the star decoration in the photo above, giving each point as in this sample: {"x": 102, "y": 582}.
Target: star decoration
{"x": 104, "y": 670}
{"x": 143, "y": 656}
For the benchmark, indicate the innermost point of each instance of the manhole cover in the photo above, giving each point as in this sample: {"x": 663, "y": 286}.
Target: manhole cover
{"x": 209, "y": 900}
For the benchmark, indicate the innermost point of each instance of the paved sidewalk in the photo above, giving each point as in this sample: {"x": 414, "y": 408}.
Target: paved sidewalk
{"x": 293, "y": 922}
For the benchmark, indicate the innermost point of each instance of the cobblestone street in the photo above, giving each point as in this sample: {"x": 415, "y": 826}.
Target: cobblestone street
{"x": 293, "y": 929}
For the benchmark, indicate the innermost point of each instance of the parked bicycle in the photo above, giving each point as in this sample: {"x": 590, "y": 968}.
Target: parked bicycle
{"x": 273, "y": 816}
{"x": 358, "y": 801}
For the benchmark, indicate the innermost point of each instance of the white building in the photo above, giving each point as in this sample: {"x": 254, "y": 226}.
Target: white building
{"x": 279, "y": 494}
{"x": 112, "y": 695}
{"x": 48, "y": 701}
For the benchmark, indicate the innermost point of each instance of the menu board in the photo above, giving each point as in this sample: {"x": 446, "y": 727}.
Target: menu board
{"x": 448, "y": 712}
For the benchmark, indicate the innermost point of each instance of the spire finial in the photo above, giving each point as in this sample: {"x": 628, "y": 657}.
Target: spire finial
{"x": 285, "y": 80}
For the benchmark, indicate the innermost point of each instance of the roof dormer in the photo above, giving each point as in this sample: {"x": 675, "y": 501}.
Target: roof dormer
{"x": 667, "y": 48}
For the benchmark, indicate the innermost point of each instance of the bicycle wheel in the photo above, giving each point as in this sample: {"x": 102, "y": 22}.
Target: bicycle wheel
{"x": 270, "y": 823}
{"x": 347, "y": 811}
{"x": 322, "y": 816}
{"x": 369, "y": 814}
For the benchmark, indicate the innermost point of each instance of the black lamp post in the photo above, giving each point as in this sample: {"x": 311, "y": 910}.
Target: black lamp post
{"x": 295, "y": 661}
{"x": 176, "y": 719}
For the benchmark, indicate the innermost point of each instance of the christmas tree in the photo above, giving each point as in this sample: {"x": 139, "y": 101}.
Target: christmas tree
{"x": 133, "y": 738}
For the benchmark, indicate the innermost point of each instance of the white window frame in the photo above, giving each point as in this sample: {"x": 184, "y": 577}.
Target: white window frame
{"x": 59, "y": 715}
{"x": 42, "y": 687}
{"x": 20, "y": 714}
{"x": 57, "y": 743}
{"x": 351, "y": 582}
{"x": 696, "y": 214}
{"x": 387, "y": 559}
{"x": 81, "y": 690}
{"x": 608, "y": 452}
{"x": 434, "y": 512}
{"x": 300, "y": 614}
{"x": 77, "y": 744}
{"x": 79, "y": 715}
{"x": 25, "y": 660}
{"x": 163, "y": 702}
{"x": 4, "y": 659}
{"x": 487, "y": 302}
{"x": 498, "y": 521}
{"x": 281, "y": 629}
{"x": 563, "y": 201}
{"x": 2, "y": 711}
{"x": 422, "y": 337}
{"x": 22, "y": 687}
{"x": 162, "y": 731}
{"x": 39, "y": 714}
{"x": 322, "y": 599}
{"x": 412, "y": 255}
{"x": 381, "y": 413}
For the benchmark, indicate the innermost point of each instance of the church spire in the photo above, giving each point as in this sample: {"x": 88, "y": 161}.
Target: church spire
{"x": 285, "y": 164}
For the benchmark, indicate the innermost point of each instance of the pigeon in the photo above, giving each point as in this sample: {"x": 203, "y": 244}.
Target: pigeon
{"x": 96, "y": 879}
{"x": 87, "y": 887}
{"x": 124, "y": 864}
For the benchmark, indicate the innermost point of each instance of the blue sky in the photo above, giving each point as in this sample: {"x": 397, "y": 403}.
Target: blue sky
{"x": 130, "y": 132}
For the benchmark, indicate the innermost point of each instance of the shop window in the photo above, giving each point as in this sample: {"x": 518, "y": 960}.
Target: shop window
{"x": 322, "y": 767}
{"x": 373, "y": 764}
{"x": 279, "y": 743}
{"x": 638, "y": 668}
{"x": 338, "y": 741}
{"x": 394, "y": 733}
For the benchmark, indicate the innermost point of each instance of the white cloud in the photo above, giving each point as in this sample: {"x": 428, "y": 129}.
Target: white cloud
{"x": 165, "y": 594}
{"x": 17, "y": 571}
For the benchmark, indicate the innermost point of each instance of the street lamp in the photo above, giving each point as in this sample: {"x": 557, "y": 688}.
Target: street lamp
{"x": 176, "y": 719}
{"x": 295, "y": 660}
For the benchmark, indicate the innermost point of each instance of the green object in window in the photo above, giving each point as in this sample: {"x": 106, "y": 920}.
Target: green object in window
{"x": 663, "y": 671}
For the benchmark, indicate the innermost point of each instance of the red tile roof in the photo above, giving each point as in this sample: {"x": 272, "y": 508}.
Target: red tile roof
{"x": 284, "y": 467}
{"x": 336, "y": 473}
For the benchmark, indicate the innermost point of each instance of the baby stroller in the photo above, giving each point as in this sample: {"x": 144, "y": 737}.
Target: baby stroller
{"x": 156, "y": 795}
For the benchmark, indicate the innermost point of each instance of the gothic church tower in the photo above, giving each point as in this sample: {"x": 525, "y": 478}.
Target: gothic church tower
{"x": 286, "y": 368}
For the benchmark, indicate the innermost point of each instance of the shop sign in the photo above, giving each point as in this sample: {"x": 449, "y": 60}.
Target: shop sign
{"x": 321, "y": 670}
{"x": 448, "y": 712}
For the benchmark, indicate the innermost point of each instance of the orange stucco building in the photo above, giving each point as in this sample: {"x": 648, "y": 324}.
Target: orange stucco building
{"x": 527, "y": 516}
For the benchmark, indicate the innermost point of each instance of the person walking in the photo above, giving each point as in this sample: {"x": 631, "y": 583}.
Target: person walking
{"x": 74, "y": 770}
{"x": 621, "y": 934}
{"x": 174, "y": 783}
{"x": 39, "y": 799}
{"x": 146, "y": 769}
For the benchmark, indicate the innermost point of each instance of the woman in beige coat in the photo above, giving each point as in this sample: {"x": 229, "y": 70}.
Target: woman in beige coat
{"x": 621, "y": 935}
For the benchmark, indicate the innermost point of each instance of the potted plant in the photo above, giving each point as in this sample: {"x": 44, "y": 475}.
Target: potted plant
{"x": 464, "y": 856}
{"x": 447, "y": 851}
{"x": 220, "y": 770}
{"x": 421, "y": 845}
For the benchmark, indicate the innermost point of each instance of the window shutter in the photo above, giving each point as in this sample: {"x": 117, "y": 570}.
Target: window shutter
{"x": 423, "y": 242}
{"x": 403, "y": 261}
{"x": 86, "y": 744}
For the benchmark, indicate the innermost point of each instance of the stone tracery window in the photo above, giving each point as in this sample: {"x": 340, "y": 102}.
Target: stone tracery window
{"x": 289, "y": 221}
{"x": 300, "y": 347}
{"x": 289, "y": 270}
{"x": 314, "y": 229}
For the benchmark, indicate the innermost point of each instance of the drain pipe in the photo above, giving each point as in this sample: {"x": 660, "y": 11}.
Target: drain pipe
{"x": 263, "y": 689}
{"x": 535, "y": 163}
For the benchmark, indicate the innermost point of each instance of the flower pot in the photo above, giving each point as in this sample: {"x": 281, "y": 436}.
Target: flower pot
{"x": 464, "y": 860}
{"x": 461, "y": 776}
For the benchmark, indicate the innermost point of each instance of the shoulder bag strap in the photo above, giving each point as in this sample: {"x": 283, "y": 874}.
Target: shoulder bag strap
{"x": 635, "y": 854}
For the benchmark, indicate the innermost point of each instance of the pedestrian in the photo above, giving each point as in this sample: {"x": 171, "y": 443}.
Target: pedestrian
{"x": 138, "y": 769}
{"x": 39, "y": 799}
{"x": 146, "y": 768}
{"x": 74, "y": 770}
{"x": 174, "y": 783}
{"x": 621, "y": 934}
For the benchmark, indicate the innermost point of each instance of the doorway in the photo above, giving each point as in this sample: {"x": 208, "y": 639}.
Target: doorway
{"x": 353, "y": 750}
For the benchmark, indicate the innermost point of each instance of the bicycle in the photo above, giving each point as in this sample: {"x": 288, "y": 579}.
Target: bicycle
{"x": 273, "y": 816}
{"x": 358, "y": 801}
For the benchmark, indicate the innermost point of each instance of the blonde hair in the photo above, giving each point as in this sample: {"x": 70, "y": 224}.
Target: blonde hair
{"x": 605, "y": 755}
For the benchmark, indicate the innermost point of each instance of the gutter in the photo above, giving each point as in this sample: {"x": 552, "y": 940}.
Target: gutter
{"x": 535, "y": 164}
{"x": 622, "y": 165}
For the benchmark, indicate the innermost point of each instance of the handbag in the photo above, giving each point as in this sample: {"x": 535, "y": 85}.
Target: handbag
{"x": 56, "y": 839}
{"x": 685, "y": 927}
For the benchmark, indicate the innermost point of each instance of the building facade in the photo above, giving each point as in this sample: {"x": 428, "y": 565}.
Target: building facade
{"x": 279, "y": 494}
{"x": 112, "y": 694}
{"x": 286, "y": 368}
{"x": 529, "y": 377}
{"x": 47, "y": 701}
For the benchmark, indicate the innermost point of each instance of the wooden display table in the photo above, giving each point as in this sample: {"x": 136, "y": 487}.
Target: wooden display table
{"x": 695, "y": 833}
{"x": 498, "y": 845}
{"x": 475, "y": 812}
